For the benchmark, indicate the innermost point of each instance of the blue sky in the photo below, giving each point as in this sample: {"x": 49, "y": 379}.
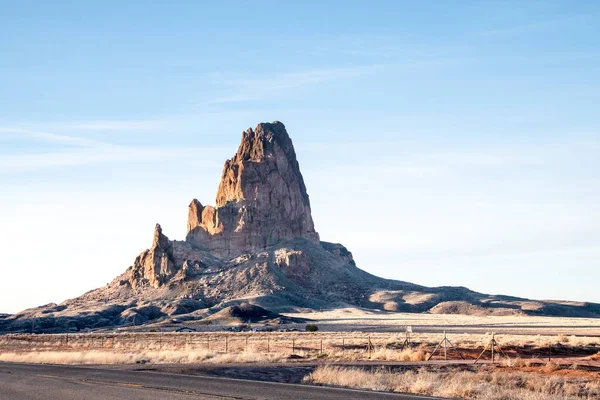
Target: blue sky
{"x": 445, "y": 143}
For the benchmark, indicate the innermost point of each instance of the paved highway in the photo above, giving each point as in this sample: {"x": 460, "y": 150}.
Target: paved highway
{"x": 54, "y": 382}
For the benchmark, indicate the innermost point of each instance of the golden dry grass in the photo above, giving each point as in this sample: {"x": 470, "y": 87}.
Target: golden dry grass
{"x": 280, "y": 341}
{"x": 465, "y": 385}
{"x": 108, "y": 356}
{"x": 263, "y": 346}
{"x": 190, "y": 355}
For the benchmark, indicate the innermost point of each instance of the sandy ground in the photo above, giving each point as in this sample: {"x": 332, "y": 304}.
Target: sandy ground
{"x": 349, "y": 319}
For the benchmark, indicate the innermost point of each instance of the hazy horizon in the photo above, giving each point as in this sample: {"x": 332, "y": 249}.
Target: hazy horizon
{"x": 459, "y": 148}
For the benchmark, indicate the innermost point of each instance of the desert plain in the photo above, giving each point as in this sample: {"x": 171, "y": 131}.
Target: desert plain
{"x": 534, "y": 357}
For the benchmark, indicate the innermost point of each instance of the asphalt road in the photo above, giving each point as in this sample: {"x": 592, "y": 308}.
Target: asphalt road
{"x": 54, "y": 382}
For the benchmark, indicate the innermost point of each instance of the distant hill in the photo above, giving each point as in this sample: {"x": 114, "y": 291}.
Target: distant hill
{"x": 258, "y": 246}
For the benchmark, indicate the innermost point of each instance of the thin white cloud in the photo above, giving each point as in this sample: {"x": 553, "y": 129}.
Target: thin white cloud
{"x": 399, "y": 150}
{"x": 176, "y": 122}
{"x": 27, "y": 162}
{"x": 240, "y": 90}
{"x": 116, "y": 125}
{"x": 81, "y": 151}
{"x": 51, "y": 137}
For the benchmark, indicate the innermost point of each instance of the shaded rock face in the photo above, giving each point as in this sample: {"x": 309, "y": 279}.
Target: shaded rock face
{"x": 261, "y": 200}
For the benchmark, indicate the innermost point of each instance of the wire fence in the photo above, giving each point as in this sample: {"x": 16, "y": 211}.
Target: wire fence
{"x": 219, "y": 343}
{"x": 290, "y": 343}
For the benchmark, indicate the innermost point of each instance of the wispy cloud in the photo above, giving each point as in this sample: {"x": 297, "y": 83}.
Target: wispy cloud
{"x": 188, "y": 119}
{"x": 238, "y": 90}
{"x": 51, "y": 137}
{"x": 33, "y": 129}
{"x": 81, "y": 151}
{"x": 116, "y": 125}
{"x": 130, "y": 154}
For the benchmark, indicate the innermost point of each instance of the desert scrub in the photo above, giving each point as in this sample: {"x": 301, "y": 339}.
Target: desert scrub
{"x": 550, "y": 366}
{"x": 463, "y": 384}
{"x": 98, "y": 357}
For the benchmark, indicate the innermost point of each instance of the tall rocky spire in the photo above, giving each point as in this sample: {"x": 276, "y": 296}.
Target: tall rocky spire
{"x": 261, "y": 200}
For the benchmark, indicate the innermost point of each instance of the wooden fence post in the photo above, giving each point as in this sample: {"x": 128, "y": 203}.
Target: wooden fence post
{"x": 445, "y": 348}
{"x": 493, "y": 345}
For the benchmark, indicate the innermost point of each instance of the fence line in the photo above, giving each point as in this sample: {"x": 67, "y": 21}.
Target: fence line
{"x": 218, "y": 342}
{"x": 292, "y": 343}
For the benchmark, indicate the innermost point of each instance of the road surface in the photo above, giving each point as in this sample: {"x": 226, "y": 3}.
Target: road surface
{"x": 54, "y": 382}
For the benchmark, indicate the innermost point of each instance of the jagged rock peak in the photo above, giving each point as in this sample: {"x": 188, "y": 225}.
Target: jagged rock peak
{"x": 261, "y": 200}
{"x": 154, "y": 265}
{"x": 160, "y": 241}
{"x": 194, "y": 214}
{"x": 269, "y": 142}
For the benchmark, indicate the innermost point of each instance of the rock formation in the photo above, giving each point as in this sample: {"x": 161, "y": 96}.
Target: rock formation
{"x": 257, "y": 244}
{"x": 261, "y": 201}
{"x": 155, "y": 264}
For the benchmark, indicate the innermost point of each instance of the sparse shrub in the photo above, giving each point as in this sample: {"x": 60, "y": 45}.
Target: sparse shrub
{"x": 550, "y": 366}
{"x": 509, "y": 362}
{"x": 311, "y": 328}
{"x": 574, "y": 366}
{"x": 516, "y": 362}
{"x": 399, "y": 355}
{"x": 562, "y": 338}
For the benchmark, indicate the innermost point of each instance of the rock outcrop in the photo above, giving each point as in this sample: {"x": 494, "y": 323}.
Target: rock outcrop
{"x": 155, "y": 265}
{"x": 261, "y": 201}
{"x": 257, "y": 245}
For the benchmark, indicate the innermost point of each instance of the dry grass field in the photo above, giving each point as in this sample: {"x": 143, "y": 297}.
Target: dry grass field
{"x": 273, "y": 346}
{"x": 543, "y": 358}
{"x": 485, "y": 384}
